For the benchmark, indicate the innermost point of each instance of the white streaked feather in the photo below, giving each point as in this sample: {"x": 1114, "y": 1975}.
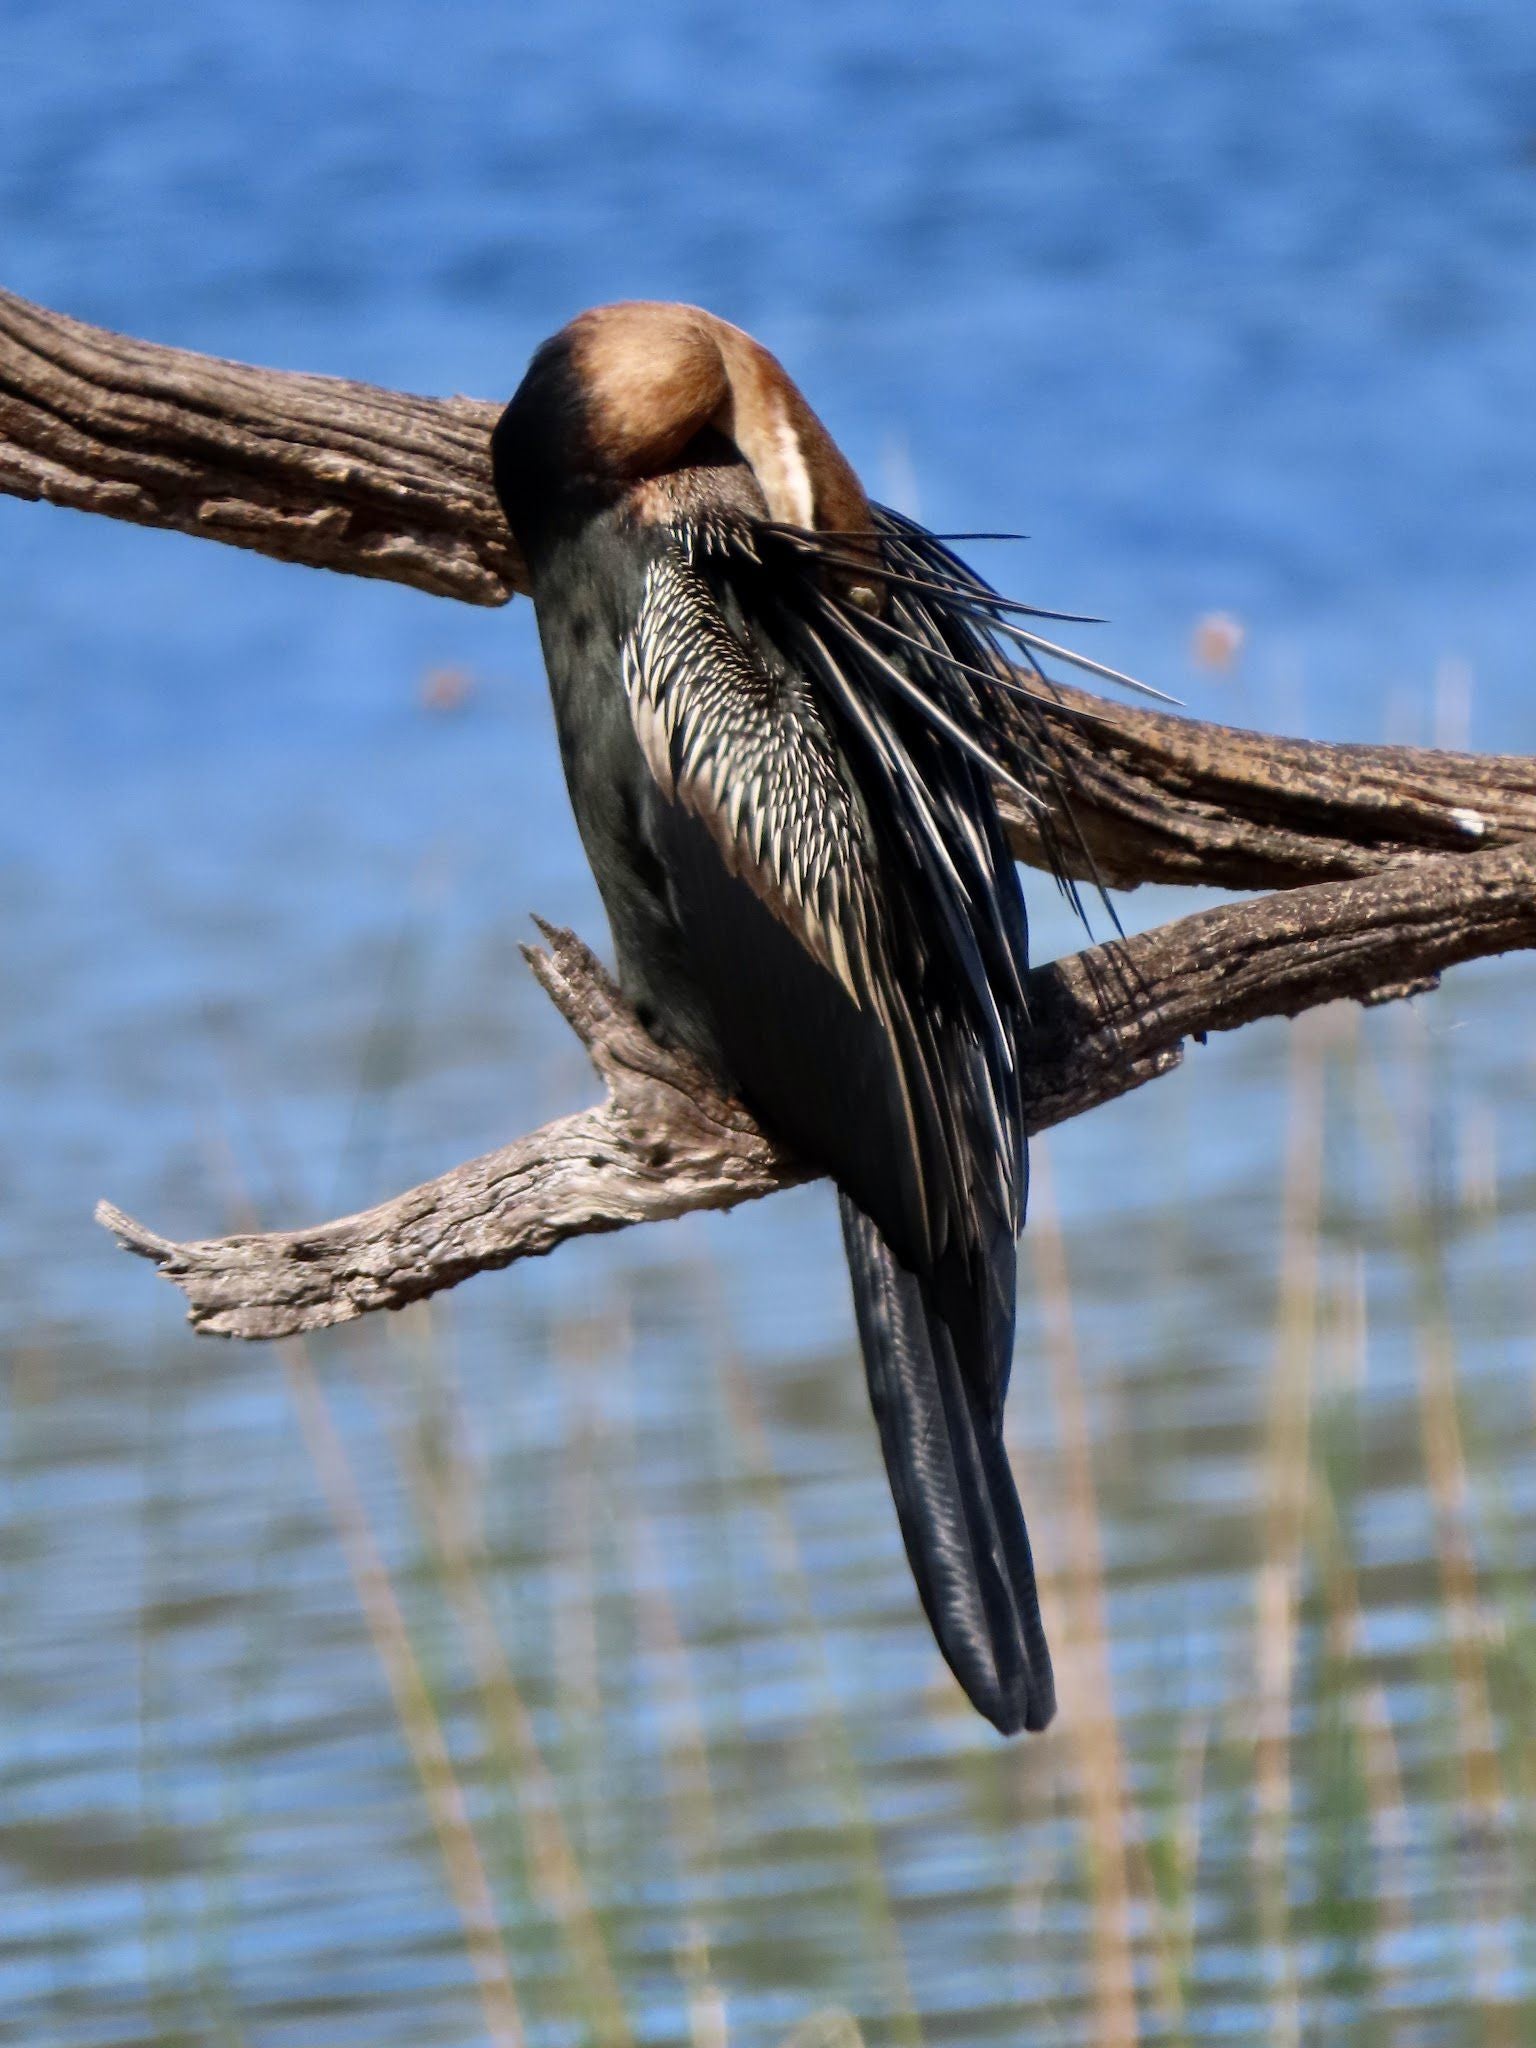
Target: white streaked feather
{"x": 736, "y": 746}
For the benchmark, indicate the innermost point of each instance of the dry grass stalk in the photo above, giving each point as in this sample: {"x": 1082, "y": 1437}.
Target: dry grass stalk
{"x": 1365, "y": 1705}
{"x": 841, "y": 1765}
{"x": 414, "y": 1711}
{"x": 447, "y": 1500}
{"x": 575, "y": 1348}
{"x": 1468, "y": 1620}
{"x": 685, "y": 1746}
{"x": 1468, "y": 1624}
{"x": 686, "y": 1757}
{"x": 1286, "y": 1492}
{"x": 707, "y": 2027}
{"x": 1094, "y": 1727}
{"x": 1389, "y": 1818}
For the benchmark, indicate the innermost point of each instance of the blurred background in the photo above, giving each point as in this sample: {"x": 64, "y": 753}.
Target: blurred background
{"x": 542, "y": 1664}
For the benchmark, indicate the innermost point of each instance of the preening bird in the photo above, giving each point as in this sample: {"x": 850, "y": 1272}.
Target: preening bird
{"x": 779, "y": 708}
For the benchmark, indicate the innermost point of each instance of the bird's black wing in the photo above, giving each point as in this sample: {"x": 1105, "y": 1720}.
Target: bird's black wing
{"x": 833, "y": 868}
{"x": 916, "y": 995}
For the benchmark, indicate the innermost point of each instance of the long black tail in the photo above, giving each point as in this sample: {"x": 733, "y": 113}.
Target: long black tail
{"x": 955, "y": 1496}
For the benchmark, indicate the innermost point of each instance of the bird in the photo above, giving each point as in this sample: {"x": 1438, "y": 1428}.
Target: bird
{"x": 778, "y": 706}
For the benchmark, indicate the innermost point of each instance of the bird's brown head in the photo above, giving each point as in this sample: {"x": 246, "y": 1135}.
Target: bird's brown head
{"x": 630, "y": 395}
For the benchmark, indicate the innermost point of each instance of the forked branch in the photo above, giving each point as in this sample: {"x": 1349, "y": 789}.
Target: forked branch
{"x": 666, "y": 1141}
{"x": 1398, "y": 861}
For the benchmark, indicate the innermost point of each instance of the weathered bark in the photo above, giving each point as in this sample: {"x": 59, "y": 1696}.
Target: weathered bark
{"x": 378, "y": 483}
{"x": 309, "y": 469}
{"x": 1167, "y": 799}
{"x": 666, "y": 1141}
{"x": 1399, "y": 861}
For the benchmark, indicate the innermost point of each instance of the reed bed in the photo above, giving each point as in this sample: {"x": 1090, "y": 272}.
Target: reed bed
{"x": 686, "y": 1771}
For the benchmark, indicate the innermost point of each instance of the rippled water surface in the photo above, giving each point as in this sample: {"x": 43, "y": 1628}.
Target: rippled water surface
{"x": 573, "y": 1608}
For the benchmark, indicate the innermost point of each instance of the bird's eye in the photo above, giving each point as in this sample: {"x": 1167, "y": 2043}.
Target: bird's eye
{"x": 864, "y": 597}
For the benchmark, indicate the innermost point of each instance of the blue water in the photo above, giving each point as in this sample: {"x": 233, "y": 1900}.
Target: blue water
{"x": 1229, "y": 307}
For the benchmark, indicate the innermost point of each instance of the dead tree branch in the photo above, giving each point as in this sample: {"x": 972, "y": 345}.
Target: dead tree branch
{"x": 1397, "y": 861}
{"x": 379, "y": 483}
{"x": 666, "y": 1141}
{"x": 309, "y": 469}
